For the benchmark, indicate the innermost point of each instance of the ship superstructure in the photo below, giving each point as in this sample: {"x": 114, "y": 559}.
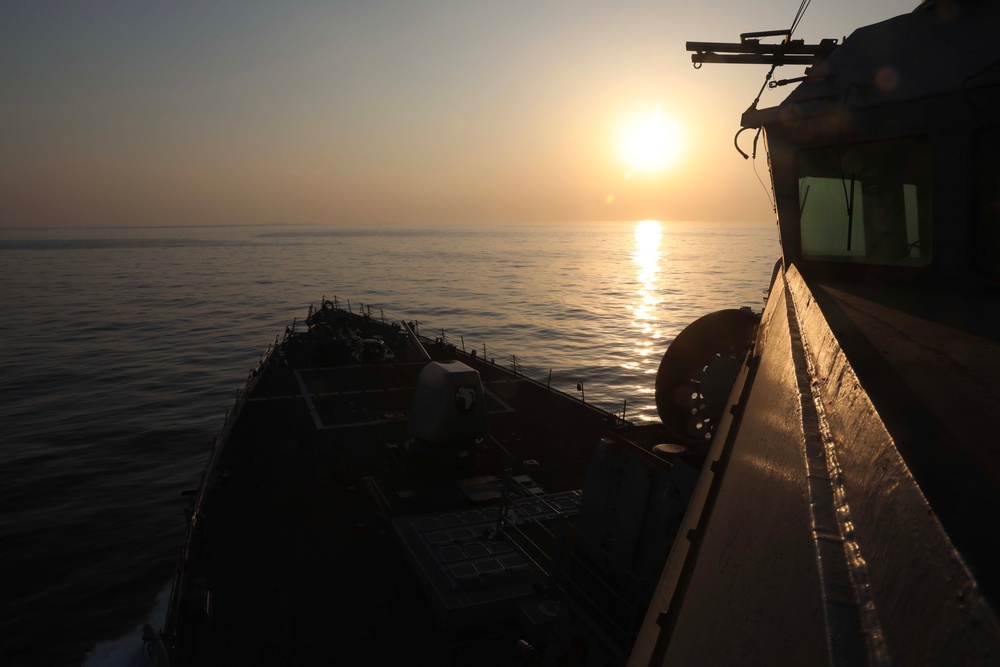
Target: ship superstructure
{"x": 845, "y": 515}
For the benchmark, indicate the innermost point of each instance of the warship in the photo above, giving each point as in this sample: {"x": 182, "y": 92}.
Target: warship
{"x": 381, "y": 496}
{"x": 822, "y": 487}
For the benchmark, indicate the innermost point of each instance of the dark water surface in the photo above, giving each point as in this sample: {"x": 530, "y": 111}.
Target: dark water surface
{"x": 121, "y": 351}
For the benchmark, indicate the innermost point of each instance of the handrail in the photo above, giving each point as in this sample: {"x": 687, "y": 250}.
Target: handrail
{"x": 605, "y": 403}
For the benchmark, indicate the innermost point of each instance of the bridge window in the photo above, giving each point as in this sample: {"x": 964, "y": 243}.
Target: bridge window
{"x": 867, "y": 203}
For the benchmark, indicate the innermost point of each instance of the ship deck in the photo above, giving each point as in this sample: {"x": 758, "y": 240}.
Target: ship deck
{"x": 320, "y": 538}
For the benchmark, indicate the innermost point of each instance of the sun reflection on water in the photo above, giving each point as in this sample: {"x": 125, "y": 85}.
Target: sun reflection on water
{"x": 645, "y": 305}
{"x": 648, "y": 234}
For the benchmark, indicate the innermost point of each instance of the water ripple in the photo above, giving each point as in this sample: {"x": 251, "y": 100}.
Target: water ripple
{"x": 122, "y": 349}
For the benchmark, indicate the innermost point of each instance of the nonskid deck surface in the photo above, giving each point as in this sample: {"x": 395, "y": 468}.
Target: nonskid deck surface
{"x": 323, "y": 538}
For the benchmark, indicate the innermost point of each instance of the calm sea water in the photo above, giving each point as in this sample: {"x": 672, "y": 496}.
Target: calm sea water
{"x": 121, "y": 351}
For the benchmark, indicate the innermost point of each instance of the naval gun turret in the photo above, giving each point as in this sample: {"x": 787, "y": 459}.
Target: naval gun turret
{"x": 448, "y": 422}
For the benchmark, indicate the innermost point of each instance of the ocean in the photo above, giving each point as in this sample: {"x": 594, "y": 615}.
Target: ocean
{"x": 122, "y": 350}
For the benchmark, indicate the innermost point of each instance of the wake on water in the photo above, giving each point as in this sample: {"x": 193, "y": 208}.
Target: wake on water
{"x": 129, "y": 651}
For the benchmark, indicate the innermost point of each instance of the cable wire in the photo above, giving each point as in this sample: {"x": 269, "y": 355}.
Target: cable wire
{"x": 767, "y": 192}
{"x": 803, "y": 6}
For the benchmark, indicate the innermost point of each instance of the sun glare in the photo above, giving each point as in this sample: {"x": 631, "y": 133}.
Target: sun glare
{"x": 650, "y": 142}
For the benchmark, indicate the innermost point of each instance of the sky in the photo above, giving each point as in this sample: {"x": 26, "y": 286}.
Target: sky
{"x": 380, "y": 113}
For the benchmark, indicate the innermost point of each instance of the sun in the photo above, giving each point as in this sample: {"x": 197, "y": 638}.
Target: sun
{"x": 650, "y": 142}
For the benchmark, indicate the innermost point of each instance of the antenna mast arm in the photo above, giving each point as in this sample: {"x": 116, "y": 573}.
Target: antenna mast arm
{"x": 750, "y": 50}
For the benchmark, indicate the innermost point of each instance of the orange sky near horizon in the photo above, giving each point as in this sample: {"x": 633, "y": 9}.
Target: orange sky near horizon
{"x": 121, "y": 114}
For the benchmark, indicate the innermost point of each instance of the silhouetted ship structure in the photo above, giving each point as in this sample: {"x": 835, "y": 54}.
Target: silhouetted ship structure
{"x": 823, "y": 488}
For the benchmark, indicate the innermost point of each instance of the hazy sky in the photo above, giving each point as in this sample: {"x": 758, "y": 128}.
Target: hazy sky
{"x": 251, "y": 112}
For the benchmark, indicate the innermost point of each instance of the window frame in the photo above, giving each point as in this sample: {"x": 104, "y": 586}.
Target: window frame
{"x": 890, "y": 223}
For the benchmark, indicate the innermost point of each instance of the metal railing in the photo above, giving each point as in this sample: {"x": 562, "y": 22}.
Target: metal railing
{"x": 571, "y": 384}
{"x": 562, "y": 382}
